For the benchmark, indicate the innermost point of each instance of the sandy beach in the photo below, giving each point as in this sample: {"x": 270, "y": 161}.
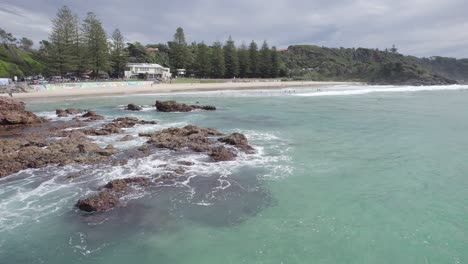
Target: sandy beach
{"x": 171, "y": 88}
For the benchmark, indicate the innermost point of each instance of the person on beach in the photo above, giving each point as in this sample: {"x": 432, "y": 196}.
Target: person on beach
{"x": 10, "y": 93}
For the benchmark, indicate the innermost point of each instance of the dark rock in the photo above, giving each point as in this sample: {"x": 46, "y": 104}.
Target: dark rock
{"x": 114, "y": 127}
{"x": 73, "y": 111}
{"x": 191, "y": 137}
{"x": 185, "y": 163}
{"x": 127, "y": 138}
{"x": 22, "y": 153}
{"x": 61, "y": 113}
{"x": 173, "y": 106}
{"x": 102, "y": 201}
{"x": 222, "y": 154}
{"x": 92, "y": 116}
{"x": 120, "y": 185}
{"x": 110, "y": 193}
{"x": 134, "y": 107}
{"x": 238, "y": 140}
{"x": 12, "y": 112}
{"x": 179, "y": 170}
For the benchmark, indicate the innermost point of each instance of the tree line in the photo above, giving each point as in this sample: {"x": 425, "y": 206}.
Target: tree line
{"x": 77, "y": 47}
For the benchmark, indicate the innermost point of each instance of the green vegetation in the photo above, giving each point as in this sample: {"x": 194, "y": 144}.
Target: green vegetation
{"x": 307, "y": 62}
{"x": 17, "y": 62}
{"x": 75, "y": 48}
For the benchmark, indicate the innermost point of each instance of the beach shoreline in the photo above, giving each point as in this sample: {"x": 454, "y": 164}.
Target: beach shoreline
{"x": 171, "y": 88}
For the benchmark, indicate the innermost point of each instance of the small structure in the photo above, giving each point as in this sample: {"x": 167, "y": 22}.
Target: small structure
{"x": 149, "y": 70}
{"x": 181, "y": 72}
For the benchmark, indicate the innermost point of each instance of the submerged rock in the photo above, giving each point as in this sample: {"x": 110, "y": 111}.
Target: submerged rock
{"x": 133, "y": 107}
{"x": 110, "y": 193}
{"x": 92, "y": 116}
{"x": 173, "y": 106}
{"x": 13, "y": 112}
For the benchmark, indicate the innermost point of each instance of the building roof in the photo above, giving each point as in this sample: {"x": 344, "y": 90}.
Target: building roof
{"x": 148, "y": 65}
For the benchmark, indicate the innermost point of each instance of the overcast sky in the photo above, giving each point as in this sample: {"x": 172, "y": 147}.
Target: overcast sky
{"x": 416, "y": 27}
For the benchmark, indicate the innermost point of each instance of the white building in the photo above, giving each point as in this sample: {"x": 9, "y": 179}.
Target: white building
{"x": 151, "y": 70}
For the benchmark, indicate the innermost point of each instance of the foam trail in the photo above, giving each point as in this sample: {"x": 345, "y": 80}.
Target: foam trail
{"x": 383, "y": 89}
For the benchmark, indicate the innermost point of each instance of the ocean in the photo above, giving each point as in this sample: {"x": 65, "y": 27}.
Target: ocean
{"x": 343, "y": 174}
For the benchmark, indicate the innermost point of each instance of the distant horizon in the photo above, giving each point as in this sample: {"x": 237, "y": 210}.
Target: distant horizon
{"x": 432, "y": 28}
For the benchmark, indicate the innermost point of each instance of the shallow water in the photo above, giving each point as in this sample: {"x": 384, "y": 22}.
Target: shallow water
{"x": 350, "y": 174}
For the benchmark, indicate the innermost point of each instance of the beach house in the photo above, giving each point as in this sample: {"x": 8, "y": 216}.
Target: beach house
{"x": 147, "y": 70}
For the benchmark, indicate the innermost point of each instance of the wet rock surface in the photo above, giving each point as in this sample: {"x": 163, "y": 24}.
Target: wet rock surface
{"x": 133, "y": 107}
{"x": 13, "y": 113}
{"x": 113, "y": 127}
{"x": 222, "y": 153}
{"x": 36, "y": 152}
{"x": 238, "y": 140}
{"x": 68, "y": 111}
{"x": 109, "y": 194}
{"x": 174, "y": 177}
{"x": 194, "y": 138}
{"x": 173, "y": 106}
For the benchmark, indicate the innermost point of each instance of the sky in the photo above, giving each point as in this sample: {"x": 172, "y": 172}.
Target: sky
{"x": 417, "y": 27}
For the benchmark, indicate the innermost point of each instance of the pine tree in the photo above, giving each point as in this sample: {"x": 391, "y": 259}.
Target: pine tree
{"x": 95, "y": 40}
{"x": 275, "y": 63}
{"x": 253, "y": 59}
{"x": 217, "y": 61}
{"x": 203, "y": 63}
{"x": 264, "y": 61}
{"x": 26, "y": 44}
{"x": 118, "y": 54}
{"x": 62, "y": 38}
{"x": 178, "y": 51}
{"x": 231, "y": 60}
{"x": 179, "y": 36}
{"x": 80, "y": 60}
{"x": 244, "y": 61}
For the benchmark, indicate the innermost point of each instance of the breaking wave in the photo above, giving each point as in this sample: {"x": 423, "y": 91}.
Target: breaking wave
{"x": 358, "y": 90}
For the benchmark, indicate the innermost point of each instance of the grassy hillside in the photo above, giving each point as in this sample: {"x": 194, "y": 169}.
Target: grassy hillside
{"x": 14, "y": 61}
{"x": 320, "y": 63}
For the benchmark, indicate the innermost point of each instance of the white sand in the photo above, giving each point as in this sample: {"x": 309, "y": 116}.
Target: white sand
{"x": 170, "y": 88}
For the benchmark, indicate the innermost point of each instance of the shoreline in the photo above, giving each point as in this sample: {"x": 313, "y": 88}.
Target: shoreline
{"x": 171, "y": 88}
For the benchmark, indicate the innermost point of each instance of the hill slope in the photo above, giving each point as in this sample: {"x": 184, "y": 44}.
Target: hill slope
{"x": 374, "y": 66}
{"x": 17, "y": 62}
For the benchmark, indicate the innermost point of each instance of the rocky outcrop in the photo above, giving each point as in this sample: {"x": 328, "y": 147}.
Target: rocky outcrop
{"x": 222, "y": 153}
{"x": 133, "y": 107}
{"x": 13, "y": 112}
{"x": 102, "y": 201}
{"x": 91, "y": 116}
{"x": 173, "y": 106}
{"x": 110, "y": 194}
{"x": 238, "y": 140}
{"x": 68, "y": 111}
{"x": 194, "y": 138}
{"x": 113, "y": 127}
{"x": 199, "y": 139}
{"x": 36, "y": 152}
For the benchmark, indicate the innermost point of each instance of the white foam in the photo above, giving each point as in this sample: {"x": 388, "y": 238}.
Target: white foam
{"x": 358, "y": 90}
{"x": 34, "y": 194}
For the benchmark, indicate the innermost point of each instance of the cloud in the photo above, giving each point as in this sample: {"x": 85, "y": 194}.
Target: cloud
{"x": 417, "y": 27}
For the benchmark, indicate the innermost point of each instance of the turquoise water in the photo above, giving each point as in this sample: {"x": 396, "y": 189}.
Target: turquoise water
{"x": 357, "y": 175}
